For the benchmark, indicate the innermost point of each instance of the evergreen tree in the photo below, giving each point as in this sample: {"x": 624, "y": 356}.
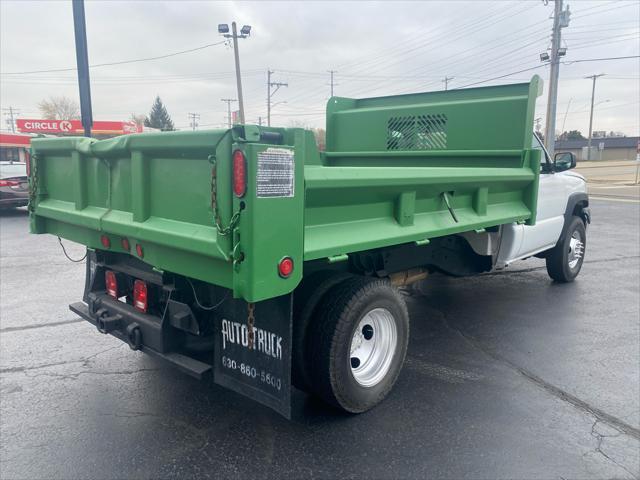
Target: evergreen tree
{"x": 159, "y": 117}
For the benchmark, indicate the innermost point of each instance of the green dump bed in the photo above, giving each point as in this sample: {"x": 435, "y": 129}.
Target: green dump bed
{"x": 397, "y": 170}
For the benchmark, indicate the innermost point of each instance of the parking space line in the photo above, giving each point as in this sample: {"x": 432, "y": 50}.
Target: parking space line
{"x": 29, "y": 327}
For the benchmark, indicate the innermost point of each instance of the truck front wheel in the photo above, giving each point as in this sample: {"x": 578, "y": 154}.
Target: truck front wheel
{"x": 564, "y": 261}
{"x": 358, "y": 343}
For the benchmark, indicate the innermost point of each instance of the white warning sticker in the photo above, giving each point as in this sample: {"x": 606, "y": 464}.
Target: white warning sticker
{"x": 276, "y": 173}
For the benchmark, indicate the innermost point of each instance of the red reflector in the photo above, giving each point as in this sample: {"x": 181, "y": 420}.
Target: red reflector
{"x": 8, "y": 183}
{"x": 285, "y": 267}
{"x": 125, "y": 244}
{"x": 140, "y": 295}
{"x": 139, "y": 250}
{"x": 111, "y": 283}
{"x": 239, "y": 173}
{"x": 106, "y": 243}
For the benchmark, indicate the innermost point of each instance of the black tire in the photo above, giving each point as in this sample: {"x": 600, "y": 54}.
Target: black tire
{"x": 330, "y": 337}
{"x": 305, "y": 301}
{"x": 558, "y": 266}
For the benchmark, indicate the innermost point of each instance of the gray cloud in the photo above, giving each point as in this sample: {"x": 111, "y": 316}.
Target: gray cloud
{"x": 378, "y": 48}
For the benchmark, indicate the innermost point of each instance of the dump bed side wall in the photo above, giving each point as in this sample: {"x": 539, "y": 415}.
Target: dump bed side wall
{"x": 392, "y": 164}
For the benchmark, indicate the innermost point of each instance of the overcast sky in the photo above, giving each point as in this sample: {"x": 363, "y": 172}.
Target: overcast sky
{"x": 377, "y": 48}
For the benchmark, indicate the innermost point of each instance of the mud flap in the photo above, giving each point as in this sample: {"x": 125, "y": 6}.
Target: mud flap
{"x": 259, "y": 365}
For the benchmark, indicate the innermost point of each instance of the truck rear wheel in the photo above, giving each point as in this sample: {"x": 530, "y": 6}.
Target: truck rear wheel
{"x": 564, "y": 261}
{"x": 307, "y": 297}
{"x": 358, "y": 342}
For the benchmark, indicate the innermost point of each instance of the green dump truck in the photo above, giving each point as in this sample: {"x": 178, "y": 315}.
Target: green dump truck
{"x": 247, "y": 256}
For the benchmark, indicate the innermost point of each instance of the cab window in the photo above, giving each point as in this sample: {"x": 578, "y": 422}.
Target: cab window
{"x": 545, "y": 163}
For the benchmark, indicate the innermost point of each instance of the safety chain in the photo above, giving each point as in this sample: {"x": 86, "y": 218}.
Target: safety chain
{"x": 224, "y": 231}
{"x": 33, "y": 183}
{"x": 250, "y": 322}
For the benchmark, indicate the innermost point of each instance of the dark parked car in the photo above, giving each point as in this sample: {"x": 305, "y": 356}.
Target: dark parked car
{"x": 14, "y": 185}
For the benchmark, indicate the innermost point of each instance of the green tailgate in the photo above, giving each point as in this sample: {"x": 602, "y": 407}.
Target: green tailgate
{"x": 391, "y": 166}
{"x": 164, "y": 192}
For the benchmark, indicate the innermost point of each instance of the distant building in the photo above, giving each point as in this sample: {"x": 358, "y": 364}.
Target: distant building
{"x": 100, "y": 129}
{"x": 606, "y": 148}
{"x": 14, "y": 147}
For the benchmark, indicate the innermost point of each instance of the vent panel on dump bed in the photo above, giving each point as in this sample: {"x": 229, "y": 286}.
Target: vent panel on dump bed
{"x": 417, "y": 132}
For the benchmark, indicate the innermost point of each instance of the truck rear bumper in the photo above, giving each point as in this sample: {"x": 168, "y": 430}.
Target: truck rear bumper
{"x": 241, "y": 346}
{"x": 132, "y": 328}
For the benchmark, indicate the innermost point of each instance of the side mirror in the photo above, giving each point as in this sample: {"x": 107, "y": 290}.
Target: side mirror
{"x": 564, "y": 161}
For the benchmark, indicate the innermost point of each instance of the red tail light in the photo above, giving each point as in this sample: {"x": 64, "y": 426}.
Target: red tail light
{"x": 239, "y": 173}
{"x": 111, "y": 283}
{"x": 139, "y": 250}
{"x": 140, "y": 295}
{"x": 8, "y": 183}
{"x": 28, "y": 164}
{"x": 106, "y": 243}
{"x": 125, "y": 244}
{"x": 285, "y": 267}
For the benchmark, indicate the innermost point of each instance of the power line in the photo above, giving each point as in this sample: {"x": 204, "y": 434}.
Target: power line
{"x": 501, "y": 76}
{"x": 120, "y": 62}
{"x": 569, "y": 62}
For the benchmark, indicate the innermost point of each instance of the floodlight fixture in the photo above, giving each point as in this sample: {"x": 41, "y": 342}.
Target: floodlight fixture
{"x": 223, "y": 28}
{"x": 246, "y": 30}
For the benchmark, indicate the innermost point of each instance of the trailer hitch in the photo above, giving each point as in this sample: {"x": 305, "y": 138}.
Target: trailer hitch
{"x": 106, "y": 323}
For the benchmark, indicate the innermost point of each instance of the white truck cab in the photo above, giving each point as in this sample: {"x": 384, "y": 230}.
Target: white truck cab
{"x": 559, "y": 234}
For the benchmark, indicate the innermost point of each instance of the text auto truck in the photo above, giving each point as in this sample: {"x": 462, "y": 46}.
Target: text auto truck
{"x": 248, "y": 256}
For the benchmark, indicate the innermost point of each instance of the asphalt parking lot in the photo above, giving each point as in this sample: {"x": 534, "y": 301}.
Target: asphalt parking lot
{"x": 508, "y": 375}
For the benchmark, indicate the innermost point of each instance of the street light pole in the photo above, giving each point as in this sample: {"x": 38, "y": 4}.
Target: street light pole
{"x": 223, "y": 29}
{"x": 238, "y": 79}
{"x": 593, "y": 94}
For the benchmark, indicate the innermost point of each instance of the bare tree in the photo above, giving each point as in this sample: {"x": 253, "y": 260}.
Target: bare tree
{"x": 321, "y": 138}
{"x": 137, "y": 119}
{"x": 59, "y": 108}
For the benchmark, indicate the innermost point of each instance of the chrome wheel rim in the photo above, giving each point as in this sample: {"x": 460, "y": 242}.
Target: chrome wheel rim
{"x": 373, "y": 347}
{"x": 576, "y": 250}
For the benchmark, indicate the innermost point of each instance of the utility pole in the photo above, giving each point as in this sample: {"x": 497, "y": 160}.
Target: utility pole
{"x": 331, "y": 72}
{"x": 260, "y": 121}
{"x": 593, "y": 94}
{"x": 560, "y": 21}
{"x": 564, "y": 120}
{"x": 223, "y": 29}
{"x": 271, "y": 94}
{"x": 194, "y": 117}
{"x": 446, "y": 80}
{"x": 228, "y": 100}
{"x": 11, "y": 112}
